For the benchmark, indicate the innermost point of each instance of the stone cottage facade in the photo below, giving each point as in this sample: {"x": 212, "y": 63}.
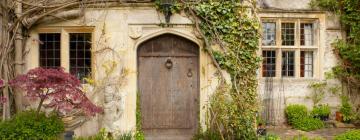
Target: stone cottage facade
{"x": 124, "y": 48}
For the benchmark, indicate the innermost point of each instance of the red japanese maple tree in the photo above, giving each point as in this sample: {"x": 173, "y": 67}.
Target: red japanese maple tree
{"x": 1, "y": 83}
{"x": 62, "y": 90}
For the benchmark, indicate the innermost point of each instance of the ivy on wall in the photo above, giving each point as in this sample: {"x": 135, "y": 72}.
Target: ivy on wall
{"x": 348, "y": 50}
{"x": 232, "y": 25}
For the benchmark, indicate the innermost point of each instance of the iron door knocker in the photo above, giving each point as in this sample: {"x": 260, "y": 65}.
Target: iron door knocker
{"x": 189, "y": 74}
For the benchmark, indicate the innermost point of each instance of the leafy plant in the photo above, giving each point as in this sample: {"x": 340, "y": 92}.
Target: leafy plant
{"x": 346, "y": 109}
{"x": 175, "y": 8}
{"x": 139, "y": 134}
{"x": 299, "y": 118}
{"x": 308, "y": 123}
{"x": 347, "y": 49}
{"x": 325, "y": 4}
{"x": 102, "y": 135}
{"x": 295, "y": 112}
{"x": 231, "y": 26}
{"x": 207, "y": 135}
{"x": 270, "y": 137}
{"x": 304, "y": 137}
{"x": 126, "y": 136}
{"x": 321, "y": 111}
{"x": 349, "y": 135}
{"x": 31, "y": 125}
{"x": 61, "y": 89}
{"x": 318, "y": 92}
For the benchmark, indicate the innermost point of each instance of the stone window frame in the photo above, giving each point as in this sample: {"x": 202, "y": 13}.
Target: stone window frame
{"x": 318, "y": 19}
{"x": 65, "y": 44}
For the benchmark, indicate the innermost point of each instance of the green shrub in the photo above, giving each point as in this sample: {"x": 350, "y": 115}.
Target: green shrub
{"x": 346, "y": 109}
{"x": 308, "y": 123}
{"x": 139, "y": 135}
{"x": 304, "y": 137}
{"x": 102, "y": 135}
{"x": 126, "y": 136}
{"x": 349, "y": 135}
{"x": 270, "y": 137}
{"x": 294, "y": 112}
{"x": 207, "y": 135}
{"x": 321, "y": 111}
{"x": 31, "y": 125}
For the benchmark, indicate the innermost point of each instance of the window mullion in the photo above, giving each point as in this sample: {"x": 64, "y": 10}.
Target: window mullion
{"x": 297, "y": 50}
{"x": 65, "y": 61}
{"x": 278, "y": 63}
{"x": 278, "y": 46}
{"x": 297, "y": 63}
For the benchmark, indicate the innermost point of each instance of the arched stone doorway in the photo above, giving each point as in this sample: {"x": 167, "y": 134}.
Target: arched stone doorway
{"x": 168, "y": 81}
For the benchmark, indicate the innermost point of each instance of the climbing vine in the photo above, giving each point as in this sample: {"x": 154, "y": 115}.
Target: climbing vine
{"x": 348, "y": 50}
{"x": 234, "y": 27}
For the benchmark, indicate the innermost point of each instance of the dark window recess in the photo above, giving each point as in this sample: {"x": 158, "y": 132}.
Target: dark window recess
{"x": 80, "y": 54}
{"x": 288, "y": 64}
{"x": 307, "y": 63}
{"x": 49, "y": 55}
{"x": 269, "y": 63}
{"x": 288, "y": 34}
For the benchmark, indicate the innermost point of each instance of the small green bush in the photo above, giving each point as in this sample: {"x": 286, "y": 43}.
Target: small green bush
{"x": 207, "y": 135}
{"x": 304, "y": 137}
{"x": 349, "y": 135}
{"x": 346, "y": 109}
{"x": 321, "y": 111}
{"x": 31, "y": 125}
{"x": 102, "y": 135}
{"x": 294, "y": 112}
{"x": 308, "y": 124}
{"x": 270, "y": 137}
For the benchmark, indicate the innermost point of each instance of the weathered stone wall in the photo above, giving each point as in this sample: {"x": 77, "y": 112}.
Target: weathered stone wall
{"x": 123, "y": 28}
{"x": 285, "y": 4}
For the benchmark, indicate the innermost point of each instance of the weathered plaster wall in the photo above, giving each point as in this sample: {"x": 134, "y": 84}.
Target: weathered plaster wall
{"x": 122, "y": 29}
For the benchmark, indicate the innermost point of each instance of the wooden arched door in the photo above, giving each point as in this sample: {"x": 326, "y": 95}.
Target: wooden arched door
{"x": 168, "y": 80}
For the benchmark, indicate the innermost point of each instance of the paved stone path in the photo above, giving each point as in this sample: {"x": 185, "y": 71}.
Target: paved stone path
{"x": 288, "y": 133}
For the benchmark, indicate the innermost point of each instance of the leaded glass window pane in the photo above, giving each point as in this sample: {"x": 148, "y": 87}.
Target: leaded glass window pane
{"x": 80, "y": 54}
{"x": 288, "y": 34}
{"x": 49, "y": 50}
{"x": 269, "y": 34}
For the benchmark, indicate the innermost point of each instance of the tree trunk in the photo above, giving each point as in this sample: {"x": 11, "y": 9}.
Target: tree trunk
{"x": 18, "y": 57}
{"x": 40, "y": 104}
{"x": 4, "y": 69}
